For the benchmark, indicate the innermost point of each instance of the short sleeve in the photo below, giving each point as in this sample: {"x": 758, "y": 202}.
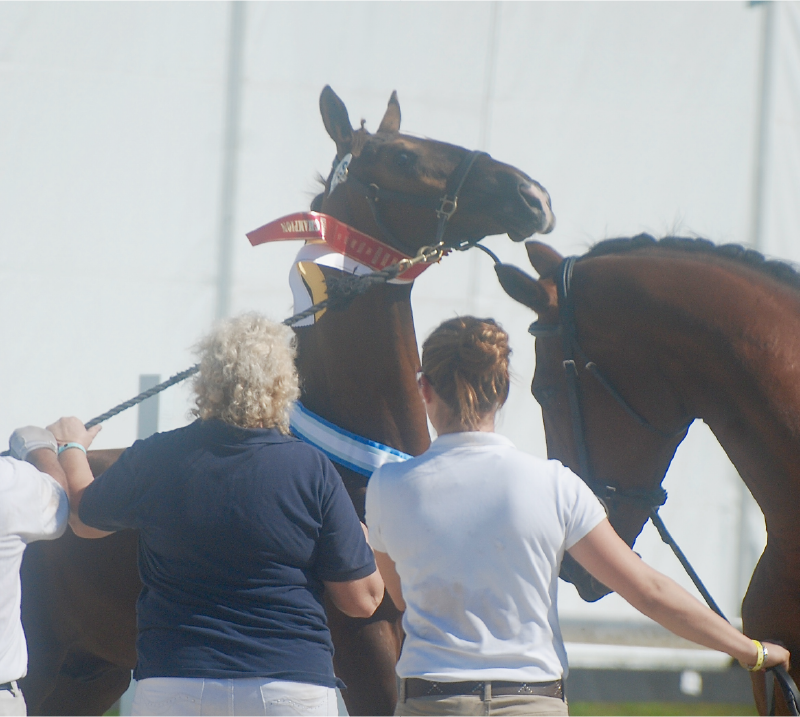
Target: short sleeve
{"x": 38, "y": 507}
{"x": 583, "y": 510}
{"x": 343, "y": 553}
{"x": 111, "y": 501}
{"x": 373, "y": 513}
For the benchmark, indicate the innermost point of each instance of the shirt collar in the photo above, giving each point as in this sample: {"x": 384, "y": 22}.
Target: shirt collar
{"x": 470, "y": 439}
{"x": 225, "y": 431}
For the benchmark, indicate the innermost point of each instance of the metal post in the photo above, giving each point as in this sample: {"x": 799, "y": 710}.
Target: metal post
{"x": 762, "y": 141}
{"x": 148, "y": 409}
{"x": 484, "y": 130}
{"x": 147, "y": 426}
{"x": 756, "y": 238}
{"x": 230, "y": 156}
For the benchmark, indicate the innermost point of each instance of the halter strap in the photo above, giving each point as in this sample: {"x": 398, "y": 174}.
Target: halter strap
{"x": 444, "y": 206}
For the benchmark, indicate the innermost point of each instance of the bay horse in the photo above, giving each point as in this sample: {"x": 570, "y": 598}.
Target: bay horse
{"x": 357, "y": 367}
{"x": 666, "y": 332}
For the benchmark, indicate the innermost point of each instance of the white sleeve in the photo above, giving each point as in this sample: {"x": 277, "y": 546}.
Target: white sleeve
{"x": 373, "y": 513}
{"x": 583, "y": 510}
{"x": 38, "y": 507}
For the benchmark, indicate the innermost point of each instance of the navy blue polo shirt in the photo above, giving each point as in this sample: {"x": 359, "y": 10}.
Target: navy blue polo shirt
{"x": 238, "y": 529}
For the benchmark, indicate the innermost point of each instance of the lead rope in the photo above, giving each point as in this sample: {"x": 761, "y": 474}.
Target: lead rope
{"x": 787, "y": 684}
{"x": 359, "y": 285}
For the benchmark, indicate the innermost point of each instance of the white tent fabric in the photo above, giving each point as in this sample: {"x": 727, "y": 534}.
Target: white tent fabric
{"x": 635, "y": 116}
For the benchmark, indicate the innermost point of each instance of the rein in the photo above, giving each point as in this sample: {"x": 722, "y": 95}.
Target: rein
{"x": 653, "y": 499}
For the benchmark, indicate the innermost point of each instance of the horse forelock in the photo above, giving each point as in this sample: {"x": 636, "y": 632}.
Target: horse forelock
{"x": 360, "y": 137}
{"x": 777, "y": 269}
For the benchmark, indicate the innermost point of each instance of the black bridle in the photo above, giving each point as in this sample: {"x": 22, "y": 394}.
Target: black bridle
{"x": 444, "y": 206}
{"x": 573, "y": 353}
{"x": 652, "y": 499}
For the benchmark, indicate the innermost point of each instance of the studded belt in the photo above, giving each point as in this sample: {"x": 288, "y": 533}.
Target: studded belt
{"x": 416, "y": 687}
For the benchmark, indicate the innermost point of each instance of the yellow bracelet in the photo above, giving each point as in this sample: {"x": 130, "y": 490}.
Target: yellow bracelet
{"x": 762, "y": 656}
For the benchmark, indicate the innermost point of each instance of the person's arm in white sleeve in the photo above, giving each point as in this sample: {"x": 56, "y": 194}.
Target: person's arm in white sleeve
{"x": 75, "y": 465}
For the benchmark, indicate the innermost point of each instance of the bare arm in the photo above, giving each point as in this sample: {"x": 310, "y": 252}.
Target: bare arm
{"x": 391, "y": 579}
{"x": 608, "y": 558}
{"x": 357, "y": 598}
{"x": 76, "y": 468}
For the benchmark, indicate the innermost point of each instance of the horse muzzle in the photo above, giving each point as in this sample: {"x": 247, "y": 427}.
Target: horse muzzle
{"x": 537, "y": 201}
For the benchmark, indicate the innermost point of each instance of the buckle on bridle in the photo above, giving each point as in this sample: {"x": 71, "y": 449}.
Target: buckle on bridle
{"x": 447, "y": 207}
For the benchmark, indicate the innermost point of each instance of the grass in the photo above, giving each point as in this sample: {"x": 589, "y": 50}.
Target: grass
{"x": 659, "y": 708}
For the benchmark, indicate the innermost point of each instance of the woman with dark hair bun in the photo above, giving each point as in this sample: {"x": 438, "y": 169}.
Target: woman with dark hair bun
{"x": 469, "y": 538}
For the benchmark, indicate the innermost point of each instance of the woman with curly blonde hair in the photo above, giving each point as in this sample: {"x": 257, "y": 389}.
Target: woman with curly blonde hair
{"x": 470, "y": 535}
{"x": 242, "y": 529}
{"x": 247, "y": 374}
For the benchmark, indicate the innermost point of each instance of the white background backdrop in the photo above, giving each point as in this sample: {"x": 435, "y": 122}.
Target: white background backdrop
{"x": 635, "y": 116}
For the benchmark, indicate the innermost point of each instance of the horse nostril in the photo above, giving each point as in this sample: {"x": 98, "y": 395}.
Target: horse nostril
{"x": 537, "y": 198}
{"x": 531, "y": 197}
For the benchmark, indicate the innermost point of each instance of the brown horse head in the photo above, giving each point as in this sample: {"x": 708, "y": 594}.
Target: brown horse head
{"x": 626, "y": 480}
{"x": 662, "y": 332}
{"x": 411, "y": 174}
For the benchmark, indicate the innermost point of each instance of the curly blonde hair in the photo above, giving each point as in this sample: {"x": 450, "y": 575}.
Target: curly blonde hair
{"x": 247, "y": 374}
{"x": 466, "y": 361}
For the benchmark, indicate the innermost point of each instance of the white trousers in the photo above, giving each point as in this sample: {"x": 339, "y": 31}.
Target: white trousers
{"x": 243, "y": 696}
{"x": 12, "y": 703}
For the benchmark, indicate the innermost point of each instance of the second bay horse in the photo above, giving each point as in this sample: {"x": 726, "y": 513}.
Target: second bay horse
{"x": 357, "y": 368}
{"x": 666, "y": 332}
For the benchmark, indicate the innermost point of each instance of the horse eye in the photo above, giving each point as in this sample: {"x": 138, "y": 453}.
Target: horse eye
{"x": 402, "y": 159}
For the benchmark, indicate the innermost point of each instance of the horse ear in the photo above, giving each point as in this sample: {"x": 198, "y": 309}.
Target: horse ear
{"x": 391, "y": 120}
{"x": 522, "y": 288}
{"x": 336, "y": 120}
{"x": 543, "y": 258}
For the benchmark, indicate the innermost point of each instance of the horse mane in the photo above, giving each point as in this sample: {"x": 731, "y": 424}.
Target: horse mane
{"x": 781, "y": 270}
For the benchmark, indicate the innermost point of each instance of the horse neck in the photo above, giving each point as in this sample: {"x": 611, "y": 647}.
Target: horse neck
{"x": 711, "y": 339}
{"x": 358, "y": 365}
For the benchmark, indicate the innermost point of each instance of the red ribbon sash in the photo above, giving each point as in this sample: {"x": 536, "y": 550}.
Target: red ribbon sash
{"x": 340, "y": 237}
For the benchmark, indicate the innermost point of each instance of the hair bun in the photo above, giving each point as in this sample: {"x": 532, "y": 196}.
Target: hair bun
{"x": 483, "y": 345}
{"x": 466, "y": 361}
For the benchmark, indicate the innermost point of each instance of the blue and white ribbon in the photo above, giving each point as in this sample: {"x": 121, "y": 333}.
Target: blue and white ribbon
{"x": 347, "y": 449}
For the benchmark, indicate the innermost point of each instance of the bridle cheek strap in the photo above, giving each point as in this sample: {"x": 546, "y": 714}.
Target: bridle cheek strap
{"x": 569, "y": 336}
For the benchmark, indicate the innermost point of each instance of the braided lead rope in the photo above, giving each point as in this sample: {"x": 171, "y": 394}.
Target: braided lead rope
{"x": 362, "y": 283}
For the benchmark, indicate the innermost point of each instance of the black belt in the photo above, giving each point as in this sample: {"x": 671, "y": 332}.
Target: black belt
{"x": 416, "y": 687}
{"x": 8, "y": 686}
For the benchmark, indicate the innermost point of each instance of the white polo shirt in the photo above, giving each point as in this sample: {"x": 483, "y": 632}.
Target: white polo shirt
{"x": 477, "y": 530}
{"x": 32, "y": 507}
